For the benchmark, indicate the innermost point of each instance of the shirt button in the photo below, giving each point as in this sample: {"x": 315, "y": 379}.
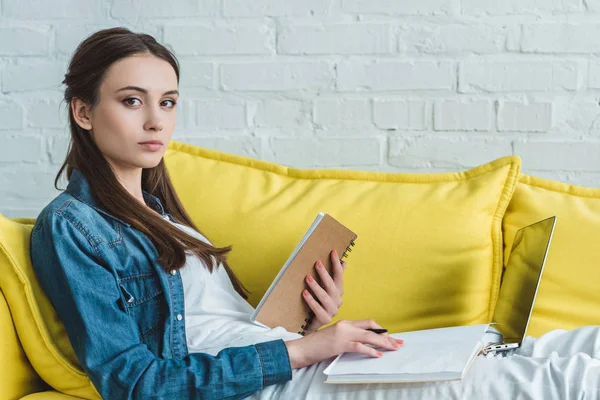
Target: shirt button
{"x": 179, "y": 317}
{"x": 173, "y": 272}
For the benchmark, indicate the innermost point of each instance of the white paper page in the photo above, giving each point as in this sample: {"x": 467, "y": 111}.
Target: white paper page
{"x": 427, "y": 351}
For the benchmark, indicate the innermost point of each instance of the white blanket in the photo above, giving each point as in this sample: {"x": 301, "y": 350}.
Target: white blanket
{"x": 560, "y": 365}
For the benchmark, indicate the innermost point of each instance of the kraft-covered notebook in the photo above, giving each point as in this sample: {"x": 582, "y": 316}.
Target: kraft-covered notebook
{"x": 283, "y": 304}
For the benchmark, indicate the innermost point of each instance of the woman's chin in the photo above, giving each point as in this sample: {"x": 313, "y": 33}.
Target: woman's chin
{"x": 149, "y": 162}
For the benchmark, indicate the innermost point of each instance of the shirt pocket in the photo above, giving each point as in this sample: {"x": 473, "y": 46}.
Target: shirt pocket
{"x": 145, "y": 302}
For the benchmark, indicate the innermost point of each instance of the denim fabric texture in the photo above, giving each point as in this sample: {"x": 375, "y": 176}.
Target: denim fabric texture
{"x": 123, "y": 313}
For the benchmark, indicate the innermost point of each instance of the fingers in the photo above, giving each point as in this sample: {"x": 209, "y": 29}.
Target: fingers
{"x": 371, "y": 345}
{"x": 330, "y": 302}
{"x": 338, "y": 271}
{"x": 320, "y": 313}
{"x": 357, "y": 347}
{"x": 380, "y": 341}
{"x": 328, "y": 283}
{"x": 395, "y": 341}
{"x": 365, "y": 324}
{"x": 356, "y": 331}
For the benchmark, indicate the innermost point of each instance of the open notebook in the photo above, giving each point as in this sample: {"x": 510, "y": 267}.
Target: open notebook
{"x": 283, "y": 304}
{"x": 428, "y": 355}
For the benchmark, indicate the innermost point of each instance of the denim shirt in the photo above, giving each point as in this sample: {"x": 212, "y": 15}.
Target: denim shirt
{"x": 123, "y": 313}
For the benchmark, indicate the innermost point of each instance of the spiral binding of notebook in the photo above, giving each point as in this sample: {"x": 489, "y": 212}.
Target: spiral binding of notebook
{"x": 311, "y": 314}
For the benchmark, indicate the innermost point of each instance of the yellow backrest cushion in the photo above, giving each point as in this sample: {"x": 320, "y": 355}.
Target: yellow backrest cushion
{"x": 17, "y": 376}
{"x": 429, "y": 248}
{"x": 41, "y": 332}
{"x": 568, "y": 295}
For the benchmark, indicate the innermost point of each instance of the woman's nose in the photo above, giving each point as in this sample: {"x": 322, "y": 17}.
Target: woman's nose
{"x": 153, "y": 122}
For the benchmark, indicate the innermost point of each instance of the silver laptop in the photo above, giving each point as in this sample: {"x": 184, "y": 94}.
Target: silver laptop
{"x": 520, "y": 285}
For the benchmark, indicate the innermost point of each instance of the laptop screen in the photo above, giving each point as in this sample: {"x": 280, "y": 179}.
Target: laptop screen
{"x": 522, "y": 277}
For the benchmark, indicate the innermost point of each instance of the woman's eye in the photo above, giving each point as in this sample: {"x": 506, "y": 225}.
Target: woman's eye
{"x": 130, "y": 100}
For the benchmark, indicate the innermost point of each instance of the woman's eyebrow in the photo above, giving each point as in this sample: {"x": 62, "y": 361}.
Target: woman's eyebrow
{"x": 139, "y": 89}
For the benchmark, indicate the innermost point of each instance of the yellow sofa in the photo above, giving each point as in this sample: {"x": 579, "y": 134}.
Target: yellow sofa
{"x": 431, "y": 246}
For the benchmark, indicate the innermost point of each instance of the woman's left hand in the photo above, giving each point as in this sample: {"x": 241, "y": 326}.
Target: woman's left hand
{"x": 329, "y": 296}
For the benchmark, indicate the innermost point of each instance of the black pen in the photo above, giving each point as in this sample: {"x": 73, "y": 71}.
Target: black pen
{"x": 377, "y": 330}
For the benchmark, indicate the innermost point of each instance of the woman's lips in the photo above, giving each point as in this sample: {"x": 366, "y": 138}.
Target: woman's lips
{"x": 151, "y": 146}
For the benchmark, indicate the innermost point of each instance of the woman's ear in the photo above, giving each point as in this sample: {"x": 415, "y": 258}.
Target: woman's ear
{"x": 81, "y": 113}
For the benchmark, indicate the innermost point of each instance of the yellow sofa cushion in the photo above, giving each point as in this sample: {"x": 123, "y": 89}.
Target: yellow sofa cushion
{"x": 41, "y": 332}
{"x": 17, "y": 376}
{"x": 429, "y": 248}
{"x": 568, "y": 295}
{"x": 49, "y": 395}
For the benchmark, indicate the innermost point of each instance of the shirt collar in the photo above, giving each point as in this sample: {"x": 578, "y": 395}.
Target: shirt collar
{"x": 80, "y": 188}
{"x": 153, "y": 202}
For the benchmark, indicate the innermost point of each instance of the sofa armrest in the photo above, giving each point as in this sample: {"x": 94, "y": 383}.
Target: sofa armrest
{"x": 49, "y": 395}
{"x": 18, "y": 376}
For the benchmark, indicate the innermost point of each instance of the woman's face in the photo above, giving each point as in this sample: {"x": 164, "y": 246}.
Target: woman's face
{"x": 136, "y": 105}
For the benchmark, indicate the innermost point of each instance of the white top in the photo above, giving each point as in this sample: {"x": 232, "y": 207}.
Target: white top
{"x": 216, "y": 316}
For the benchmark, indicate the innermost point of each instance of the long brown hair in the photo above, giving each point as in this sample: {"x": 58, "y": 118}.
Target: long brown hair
{"x": 86, "y": 71}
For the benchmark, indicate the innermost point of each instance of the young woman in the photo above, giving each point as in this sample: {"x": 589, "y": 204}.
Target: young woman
{"x": 151, "y": 307}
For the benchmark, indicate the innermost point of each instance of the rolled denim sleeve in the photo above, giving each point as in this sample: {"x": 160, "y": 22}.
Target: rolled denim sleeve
{"x": 106, "y": 340}
{"x": 275, "y": 362}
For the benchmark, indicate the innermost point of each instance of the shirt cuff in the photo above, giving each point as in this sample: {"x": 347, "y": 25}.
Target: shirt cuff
{"x": 275, "y": 362}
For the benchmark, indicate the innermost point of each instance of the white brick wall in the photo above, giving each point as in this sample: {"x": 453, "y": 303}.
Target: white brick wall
{"x": 461, "y": 115}
{"x": 405, "y": 85}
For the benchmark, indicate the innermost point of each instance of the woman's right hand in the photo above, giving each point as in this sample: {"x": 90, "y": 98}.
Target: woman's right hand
{"x": 341, "y": 337}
